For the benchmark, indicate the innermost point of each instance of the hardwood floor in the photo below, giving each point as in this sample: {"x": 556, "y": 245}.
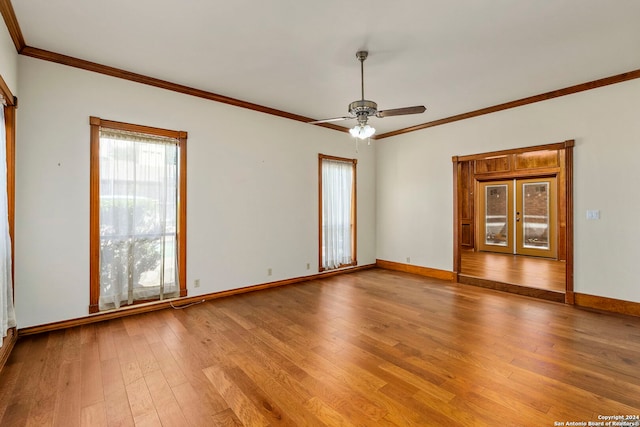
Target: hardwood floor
{"x": 375, "y": 347}
{"x": 539, "y": 273}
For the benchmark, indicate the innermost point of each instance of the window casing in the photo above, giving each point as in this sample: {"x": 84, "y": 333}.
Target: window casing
{"x": 138, "y": 214}
{"x": 337, "y": 212}
{"x": 8, "y": 334}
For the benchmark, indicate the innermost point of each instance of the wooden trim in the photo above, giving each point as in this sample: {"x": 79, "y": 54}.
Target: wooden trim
{"x": 416, "y": 269}
{"x": 94, "y": 216}
{"x": 94, "y": 205}
{"x": 354, "y": 209}
{"x": 7, "y": 346}
{"x": 177, "y": 302}
{"x": 511, "y": 288}
{"x": 607, "y": 304}
{"x": 568, "y": 212}
{"x": 618, "y": 78}
{"x": 10, "y": 130}
{"x": 9, "y": 98}
{"x": 529, "y": 173}
{"x": 10, "y": 20}
{"x": 175, "y": 134}
{"x": 9, "y": 341}
{"x": 163, "y": 84}
{"x": 182, "y": 214}
{"x": 339, "y": 159}
{"x": 543, "y": 147}
{"x": 320, "y": 268}
{"x": 457, "y": 257}
{"x": 354, "y": 213}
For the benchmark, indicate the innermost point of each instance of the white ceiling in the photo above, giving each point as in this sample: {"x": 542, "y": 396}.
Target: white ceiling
{"x": 453, "y": 56}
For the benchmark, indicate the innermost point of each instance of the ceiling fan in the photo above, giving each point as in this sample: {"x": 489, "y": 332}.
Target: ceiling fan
{"x": 363, "y": 109}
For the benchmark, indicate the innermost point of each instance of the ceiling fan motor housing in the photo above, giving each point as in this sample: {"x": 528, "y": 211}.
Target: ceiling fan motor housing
{"x": 363, "y": 109}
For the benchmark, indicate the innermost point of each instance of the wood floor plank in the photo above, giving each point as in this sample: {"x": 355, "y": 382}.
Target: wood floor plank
{"x": 117, "y": 407}
{"x": 8, "y": 382}
{"x": 197, "y": 406}
{"x": 94, "y": 416}
{"x": 376, "y": 347}
{"x": 106, "y": 345}
{"x": 281, "y": 398}
{"x": 241, "y": 405}
{"x": 225, "y": 418}
{"x": 167, "y": 408}
{"x": 167, "y": 364}
{"x": 324, "y": 412}
{"x": 141, "y": 403}
{"x": 25, "y": 393}
{"x": 92, "y": 391}
{"x": 68, "y": 407}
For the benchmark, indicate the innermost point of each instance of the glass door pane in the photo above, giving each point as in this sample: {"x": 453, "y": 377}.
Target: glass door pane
{"x": 496, "y": 215}
{"x": 535, "y": 215}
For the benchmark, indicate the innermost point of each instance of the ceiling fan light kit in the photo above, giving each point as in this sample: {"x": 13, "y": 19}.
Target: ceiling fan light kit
{"x": 362, "y": 109}
{"x": 362, "y": 132}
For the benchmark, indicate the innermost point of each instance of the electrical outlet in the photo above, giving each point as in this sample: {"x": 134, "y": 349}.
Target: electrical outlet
{"x": 408, "y": 260}
{"x": 196, "y": 283}
{"x": 269, "y": 272}
{"x": 308, "y": 266}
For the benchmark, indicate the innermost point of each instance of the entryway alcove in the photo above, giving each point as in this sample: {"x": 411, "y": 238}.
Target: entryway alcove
{"x": 513, "y": 220}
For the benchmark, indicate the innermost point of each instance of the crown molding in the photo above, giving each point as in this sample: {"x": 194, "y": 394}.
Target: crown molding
{"x": 9, "y": 15}
{"x": 70, "y": 61}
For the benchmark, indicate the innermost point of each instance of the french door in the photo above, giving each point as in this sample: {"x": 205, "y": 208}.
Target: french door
{"x": 518, "y": 216}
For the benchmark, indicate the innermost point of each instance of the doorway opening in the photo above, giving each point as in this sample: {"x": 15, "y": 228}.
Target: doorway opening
{"x": 513, "y": 221}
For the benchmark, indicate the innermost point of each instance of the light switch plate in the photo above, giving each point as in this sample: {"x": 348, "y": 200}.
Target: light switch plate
{"x": 593, "y": 214}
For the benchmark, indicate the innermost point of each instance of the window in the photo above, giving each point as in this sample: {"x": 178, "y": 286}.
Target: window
{"x": 337, "y": 227}
{"x": 7, "y": 197}
{"x": 138, "y": 214}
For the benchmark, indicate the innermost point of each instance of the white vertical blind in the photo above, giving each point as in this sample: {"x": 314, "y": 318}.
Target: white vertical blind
{"x": 138, "y": 212}
{"x": 7, "y": 312}
{"x": 337, "y": 199}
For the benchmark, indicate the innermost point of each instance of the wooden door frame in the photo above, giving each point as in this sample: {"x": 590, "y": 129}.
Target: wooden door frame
{"x": 565, "y": 203}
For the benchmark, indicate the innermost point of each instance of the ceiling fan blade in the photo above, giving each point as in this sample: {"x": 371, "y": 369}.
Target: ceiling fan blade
{"x": 335, "y": 119}
{"x": 402, "y": 111}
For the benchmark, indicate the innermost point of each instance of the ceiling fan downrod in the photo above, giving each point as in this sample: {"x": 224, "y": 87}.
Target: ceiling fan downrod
{"x": 362, "y": 55}
{"x": 362, "y": 109}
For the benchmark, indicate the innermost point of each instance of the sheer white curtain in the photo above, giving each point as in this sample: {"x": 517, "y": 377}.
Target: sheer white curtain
{"x": 138, "y": 206}
{"x": 7, "y": 313}
{"x": 337, "y": 197}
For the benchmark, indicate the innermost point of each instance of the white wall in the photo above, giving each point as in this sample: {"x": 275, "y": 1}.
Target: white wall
{"x": 252, "y": 182}
{"x": 415, "y": 182}
{"x": 8, "y": 60}
{"x": 252, "y": 185}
